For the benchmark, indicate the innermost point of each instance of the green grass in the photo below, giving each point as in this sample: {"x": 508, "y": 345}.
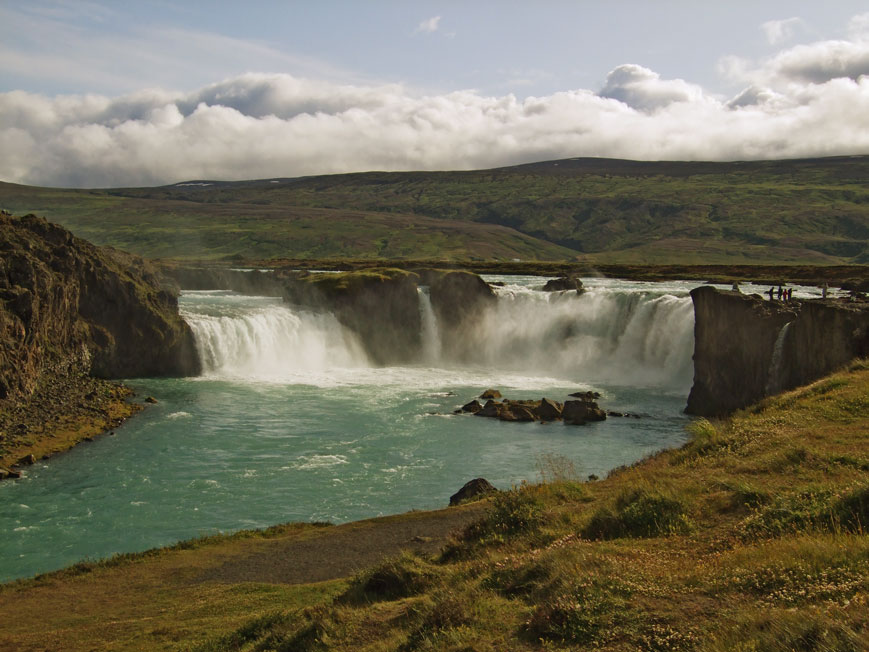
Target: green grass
{"x": 786, "y": 212}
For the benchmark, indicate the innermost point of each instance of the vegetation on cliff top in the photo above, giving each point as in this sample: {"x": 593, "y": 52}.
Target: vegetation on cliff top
{"x": 751, "y": 537}
{"x": 813, "y": 211}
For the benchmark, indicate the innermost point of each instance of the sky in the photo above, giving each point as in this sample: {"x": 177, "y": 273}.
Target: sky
{"x": 99, "y": 94}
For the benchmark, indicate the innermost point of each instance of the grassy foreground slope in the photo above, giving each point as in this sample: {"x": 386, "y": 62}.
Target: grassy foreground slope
{"x": 751, "y": 537}
{"x": 813, "y": 211}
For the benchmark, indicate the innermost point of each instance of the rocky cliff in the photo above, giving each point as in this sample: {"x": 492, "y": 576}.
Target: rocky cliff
{"x": 746, "y": 347}
{"x": 380, "y": 305}
{"x": 65, "y": 303}
{"x": 459, "y": 299}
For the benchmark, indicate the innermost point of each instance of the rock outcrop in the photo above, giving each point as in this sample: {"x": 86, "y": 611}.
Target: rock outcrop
{"x": 65, "y": 303}
{"x": 575, "y": 413}
{"x": 563, "y": 284}
{"x": 472, "y": 490}
{"x": 380, "y": 305}
{"x": 459, "y": 299}
{"x": 746, "y": 347}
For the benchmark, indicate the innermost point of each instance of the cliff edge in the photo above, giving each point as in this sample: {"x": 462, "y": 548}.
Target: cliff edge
{"x": 746, "y": 347}
{"x": 70, "y": 311}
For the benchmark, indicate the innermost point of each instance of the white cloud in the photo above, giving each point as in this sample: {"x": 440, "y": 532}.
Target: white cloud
{"x": 812, "y": 63}
{"x": 780, "y": 31}
{"x": 257, "y": 126}
{"x": 643, "y": 89}
{"x": 429, "y": 25}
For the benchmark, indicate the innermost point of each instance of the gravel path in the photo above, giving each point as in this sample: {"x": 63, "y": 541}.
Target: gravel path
{"x": 340, "y": 551}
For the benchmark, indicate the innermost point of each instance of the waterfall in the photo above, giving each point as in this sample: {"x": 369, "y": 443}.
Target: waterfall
{"x": 773, "y": 380}
{"x": 639, "y": 338}
{"x": 256, "y": 337}
{"x": 624, "y": 336}
{"x": 430, "y": 335}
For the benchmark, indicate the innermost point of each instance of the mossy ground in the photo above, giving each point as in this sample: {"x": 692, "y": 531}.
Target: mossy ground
{"x": 751, "y": 537}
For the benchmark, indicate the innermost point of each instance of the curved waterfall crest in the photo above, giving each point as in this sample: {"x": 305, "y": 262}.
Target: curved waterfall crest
{"x": 603, "y": 334}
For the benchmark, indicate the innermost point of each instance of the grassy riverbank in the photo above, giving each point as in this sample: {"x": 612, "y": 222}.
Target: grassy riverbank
{"x": 751, "y": 537}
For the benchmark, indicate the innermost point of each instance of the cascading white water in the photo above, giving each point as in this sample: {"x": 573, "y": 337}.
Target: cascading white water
{"x": 773, "y": 379}
{"x": 430, "y": 335}
{"x": 257, "y": 337}
{"x": 611, "y": 335}
{"x": 634, "y": 337}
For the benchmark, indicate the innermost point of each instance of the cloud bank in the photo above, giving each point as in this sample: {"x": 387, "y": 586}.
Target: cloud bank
{"x": 809, "y": 100}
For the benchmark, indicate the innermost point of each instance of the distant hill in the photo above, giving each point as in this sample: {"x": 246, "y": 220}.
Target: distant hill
{"x": 807, "y": 211}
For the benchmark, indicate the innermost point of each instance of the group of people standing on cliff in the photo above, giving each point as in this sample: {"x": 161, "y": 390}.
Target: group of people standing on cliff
{"x": 783, "y": 294}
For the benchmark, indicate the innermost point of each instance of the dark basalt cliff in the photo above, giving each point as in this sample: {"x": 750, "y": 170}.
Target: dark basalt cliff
{"x": 458, "y": 299}
{"x": 65, "y": 303}
{"x": 746, "y": 348}
{"x": 380, "y": 305}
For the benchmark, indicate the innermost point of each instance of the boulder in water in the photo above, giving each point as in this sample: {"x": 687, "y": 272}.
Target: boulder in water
{"x": 590, "y": 396}
{"x": 491, "y": 393}
{"x": 578, "y": 413}
{"x": 473, "y": 489}
{"x": 473, "y": 407}
{"x": 548, "y": 410}
{"x": 514, "y": 411}
{"x": 490, "y": 409}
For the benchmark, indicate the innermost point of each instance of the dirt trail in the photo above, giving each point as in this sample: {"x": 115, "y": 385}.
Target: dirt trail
{"x": 336, "y": 552}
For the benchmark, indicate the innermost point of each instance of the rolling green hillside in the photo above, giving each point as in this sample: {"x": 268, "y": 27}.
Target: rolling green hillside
{"x": 812, "y": 211}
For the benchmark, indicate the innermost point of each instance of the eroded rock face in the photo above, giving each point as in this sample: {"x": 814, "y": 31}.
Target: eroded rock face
{"x": 746, "y": 347}
{"x": 458, "y": 299}
{"x": 380, "y": 305}
{"x": 67, "y": 303}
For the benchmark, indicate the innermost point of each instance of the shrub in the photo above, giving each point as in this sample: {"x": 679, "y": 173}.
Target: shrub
{"x": 513, "y": 512}
{"x": 747, "y": 495}
{"x": 639, "y": 513}
{"x": 592, "y": 614}
{"x": 705, "y": 439}
{"x": 810, "y": 509}
{"x": 787, "y": 514}
{"x": 397, "y": 577}
{"x": 851, "y": 511}
{"x": 445, "y": 610}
